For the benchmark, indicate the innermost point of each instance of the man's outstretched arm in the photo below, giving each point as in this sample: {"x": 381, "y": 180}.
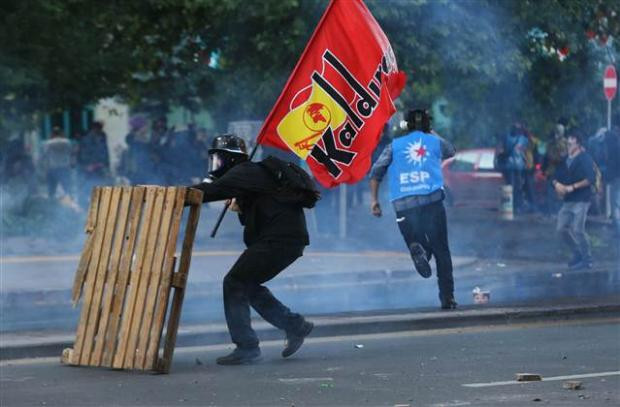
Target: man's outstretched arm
{"x": 237, "y": 182}
{"x": 377, "y": 172}
{"x": 375, "y": 207}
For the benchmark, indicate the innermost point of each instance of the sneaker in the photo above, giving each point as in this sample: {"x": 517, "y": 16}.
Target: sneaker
{"x": 240, "y": 356}
{"x": 294, "y": 341}
{"x": 448, "y": 303}
{"x": 418, "y": 254}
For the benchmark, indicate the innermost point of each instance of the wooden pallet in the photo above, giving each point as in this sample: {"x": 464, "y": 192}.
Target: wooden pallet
{"x": 126, "y": 273}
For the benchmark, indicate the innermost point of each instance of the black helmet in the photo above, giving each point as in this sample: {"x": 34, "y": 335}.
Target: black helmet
{"x": 419, "y": 119}
{"x": 230, "y": 143}
{"x": 226, "y": 151}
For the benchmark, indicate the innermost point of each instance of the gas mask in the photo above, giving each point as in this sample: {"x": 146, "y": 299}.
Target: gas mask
{"x": 227, "y": 151}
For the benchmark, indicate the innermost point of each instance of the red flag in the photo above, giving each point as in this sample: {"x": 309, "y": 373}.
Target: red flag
{"x": 334, "y": 106}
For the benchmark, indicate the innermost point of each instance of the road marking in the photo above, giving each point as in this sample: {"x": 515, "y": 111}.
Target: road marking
{"x": 30, "y": 361}
{"x": 545, "y": 379}
{"x": 298, "y": 380}
{"x": 16, "y": 379}
{"x": 76, "y": 257}
{"x": 38, "y": 259}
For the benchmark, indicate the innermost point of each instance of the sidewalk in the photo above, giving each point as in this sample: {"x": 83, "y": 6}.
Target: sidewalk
{"x": 35, "y": 291}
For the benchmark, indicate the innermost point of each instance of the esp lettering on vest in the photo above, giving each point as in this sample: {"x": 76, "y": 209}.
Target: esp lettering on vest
{"x": 414, "y": 177}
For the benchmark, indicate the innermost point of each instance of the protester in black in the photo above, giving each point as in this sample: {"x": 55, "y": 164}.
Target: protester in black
{"x": 275, "y": 235}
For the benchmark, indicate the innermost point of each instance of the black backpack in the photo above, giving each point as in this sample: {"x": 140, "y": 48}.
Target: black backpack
{"x": 294, "y": 184}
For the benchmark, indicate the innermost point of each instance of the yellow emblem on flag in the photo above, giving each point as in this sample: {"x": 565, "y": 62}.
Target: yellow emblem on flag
{"x": 303, "y": 126}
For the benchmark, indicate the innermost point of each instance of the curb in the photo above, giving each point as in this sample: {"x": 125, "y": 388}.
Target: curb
{"x": 40, "y": 344}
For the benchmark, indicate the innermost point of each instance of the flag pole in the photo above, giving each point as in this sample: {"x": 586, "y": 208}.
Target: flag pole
{"x": 260, "y": 134}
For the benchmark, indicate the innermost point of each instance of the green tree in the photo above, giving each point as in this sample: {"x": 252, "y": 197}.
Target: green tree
{"x": 499, "y": 61}
{"x": 493, "y": 60}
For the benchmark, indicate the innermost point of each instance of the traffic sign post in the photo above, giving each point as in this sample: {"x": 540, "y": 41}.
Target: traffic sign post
{"x": 610, "y": 86}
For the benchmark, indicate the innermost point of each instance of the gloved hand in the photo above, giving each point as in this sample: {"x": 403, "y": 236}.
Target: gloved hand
{"x": 233, "y": 205}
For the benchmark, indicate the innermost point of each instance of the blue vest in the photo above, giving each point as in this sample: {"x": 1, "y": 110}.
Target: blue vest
{"x": 416, "y": 165}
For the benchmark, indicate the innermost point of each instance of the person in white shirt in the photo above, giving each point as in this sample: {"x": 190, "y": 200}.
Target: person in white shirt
{"x": 57, "y": 156}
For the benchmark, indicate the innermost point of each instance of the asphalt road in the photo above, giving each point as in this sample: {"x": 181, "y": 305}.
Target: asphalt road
{"x": 454, "y": 367}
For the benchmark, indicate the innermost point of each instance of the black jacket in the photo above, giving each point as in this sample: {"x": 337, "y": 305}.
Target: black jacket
{"x": 264, "y": 218}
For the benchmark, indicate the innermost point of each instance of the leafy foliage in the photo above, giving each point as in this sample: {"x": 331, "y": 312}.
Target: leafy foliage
{"x": 494, "y": 61}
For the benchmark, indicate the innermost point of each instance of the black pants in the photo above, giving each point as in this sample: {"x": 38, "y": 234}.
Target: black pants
{"x": 427, "y": 225}
{"x": 243, "y": 287}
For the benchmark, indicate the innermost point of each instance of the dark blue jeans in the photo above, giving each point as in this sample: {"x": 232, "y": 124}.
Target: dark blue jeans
{"x": 243, "y": 288}
{"x": 572, "y": 228}
{"x": 428, "y": 226}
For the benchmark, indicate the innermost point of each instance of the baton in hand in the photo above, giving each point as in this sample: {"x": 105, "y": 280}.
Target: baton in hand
{"x": 220, "y": 219}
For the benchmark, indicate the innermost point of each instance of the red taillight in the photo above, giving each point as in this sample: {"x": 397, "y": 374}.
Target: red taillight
{"x": 538, "y": 166}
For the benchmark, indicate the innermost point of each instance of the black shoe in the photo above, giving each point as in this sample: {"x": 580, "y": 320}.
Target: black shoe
{"x": 294, "y": 341}
{"x": 448, "y": 303}
{"x": 418, "y": 254}
{"x": 240, "y": 356}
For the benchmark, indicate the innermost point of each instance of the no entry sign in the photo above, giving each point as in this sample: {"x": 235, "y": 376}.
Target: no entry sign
{"x": 610, "y": 82}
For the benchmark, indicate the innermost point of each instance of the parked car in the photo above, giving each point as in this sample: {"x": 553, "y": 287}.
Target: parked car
{"x": 472, "y": 179}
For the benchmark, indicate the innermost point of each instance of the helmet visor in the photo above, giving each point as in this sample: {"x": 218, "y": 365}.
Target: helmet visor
{"x": 216, "y": 161}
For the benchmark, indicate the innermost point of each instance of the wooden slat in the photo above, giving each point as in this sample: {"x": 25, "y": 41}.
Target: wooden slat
{"x": 93, "y": 209}
{"x": 137, "y": 199}
{"x": 99, "y": 230}
{"x": 166, "y": 278}
{"x": 178, "y": 281}
{"x": 102, "y": 268}
{"x": 136, "y": 269}
{"x": 152, "y": 290}
{"x": 145, "y": 276}
{"x": 91, "y": 221}
{"x": 113, "y": 269}
{"x": 179, "y": 293}
{"x": 193, "y": 196}
{"x": 126, "y": 274}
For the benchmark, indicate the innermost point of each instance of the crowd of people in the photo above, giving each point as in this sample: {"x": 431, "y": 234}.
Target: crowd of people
{"x": 163, "y": 155}
{"x": 529, "y": 166}
{"x": 71, "y": 167}
{"x": 157, "y": 153}
{"x": 580, "y": 176}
